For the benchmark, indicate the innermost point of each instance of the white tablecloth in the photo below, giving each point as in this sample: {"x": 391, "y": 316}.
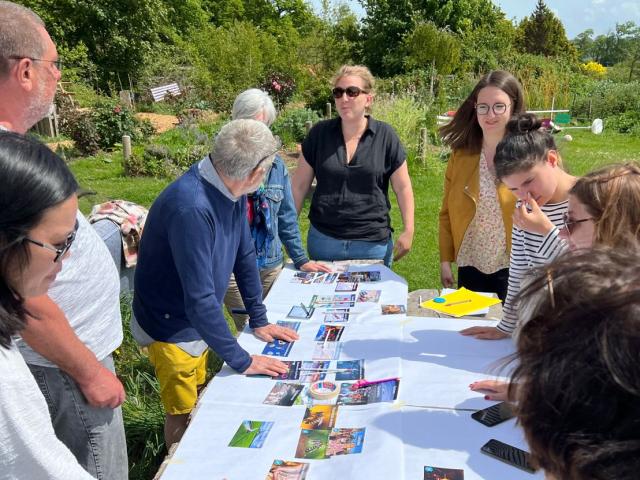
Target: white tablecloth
{"x": 429, "y": 423}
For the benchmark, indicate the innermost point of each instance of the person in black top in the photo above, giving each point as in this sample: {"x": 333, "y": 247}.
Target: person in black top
{"x": 353, "y": 158}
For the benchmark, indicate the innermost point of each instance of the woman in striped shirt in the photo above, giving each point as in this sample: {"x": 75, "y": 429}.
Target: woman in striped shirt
{"x": 528, "y": 163}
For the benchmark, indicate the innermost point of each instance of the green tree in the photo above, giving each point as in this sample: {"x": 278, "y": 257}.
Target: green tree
{"x": 584, "y": 45}
{"x": 542, "y": 33}
{"x": 428, "y": 46}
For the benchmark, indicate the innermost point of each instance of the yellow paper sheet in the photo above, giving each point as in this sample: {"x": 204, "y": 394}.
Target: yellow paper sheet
{"x": 471, "y": 302}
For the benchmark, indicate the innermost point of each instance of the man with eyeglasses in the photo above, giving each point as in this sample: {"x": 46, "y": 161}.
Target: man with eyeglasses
{"x": 195, "y": 236}
{"x": 68, "y": 344}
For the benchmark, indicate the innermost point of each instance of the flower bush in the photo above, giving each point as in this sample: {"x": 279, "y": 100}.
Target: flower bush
{"x": 280, "y": 86}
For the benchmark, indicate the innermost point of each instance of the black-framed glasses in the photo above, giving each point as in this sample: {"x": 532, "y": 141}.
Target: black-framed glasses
{"x": 498, "y": 108}
{"x": 57, "y": 63}
{"x": 569, "y": 225}
{"x": 351, "y": 91}
{"x": 60, "y": 249}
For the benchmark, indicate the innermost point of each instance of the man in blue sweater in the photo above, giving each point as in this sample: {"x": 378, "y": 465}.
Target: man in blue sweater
{"x": 196, "y": 234}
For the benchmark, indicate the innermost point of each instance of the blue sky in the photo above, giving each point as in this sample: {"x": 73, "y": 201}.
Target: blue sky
{"x": 576, "y": 15}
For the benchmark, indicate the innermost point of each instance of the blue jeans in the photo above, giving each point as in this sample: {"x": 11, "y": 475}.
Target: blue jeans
{"x": 94, "y": 435}
{"x": 324, "y": 247}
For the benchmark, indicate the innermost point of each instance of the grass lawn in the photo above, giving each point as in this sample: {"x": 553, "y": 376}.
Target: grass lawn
{"x": 104, "y": 175}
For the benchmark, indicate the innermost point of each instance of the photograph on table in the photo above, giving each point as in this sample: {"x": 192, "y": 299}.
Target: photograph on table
{"x": 345, "y": 441}
{"x": 313, "y": 371}
{"x": 288, "y": 324}
{"x": 304, "y": 278}
{"x": 288, "y": 470}
{"x": 349, "y": 370}
{"x": 300, "y": 311}
{"x": 325, "y": 278}
{"x": 251, "y": 434}
{"x": 320, "y": 417}
{"x": 327, "y": 351}
{"x": 283, "y": 394}
{"x": 364, "y": 276}
{"x": 277, "y": 348}
{"x": 293, "y": 372}
{"x": 335, "y": 317}
{"x": 391, "y": 309}
{"x": 439, "y": 473}
{"x": 329, "y": 333}
{"x": 346, "y": 286}
{"x": 375, "y": 393}
{"x": 369, "y": 296}
{"x": 334, "y": 301}
{"x": 312, "y": 444}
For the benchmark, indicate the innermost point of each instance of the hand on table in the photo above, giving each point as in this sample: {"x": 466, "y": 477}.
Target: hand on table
{"x": 103, "y": 389}
{"x": 446, "y": 275}
{"x": 403, "y": 245}
{"x": 261, "y": 365}
{"x": 270, "y": 332}
{"x": 494, "y": 389}
{"x": 534, "y": 221}
{"x": 315, "y": 267}
{"x": 484, "y": 333}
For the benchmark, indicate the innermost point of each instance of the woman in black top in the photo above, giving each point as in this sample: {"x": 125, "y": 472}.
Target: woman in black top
{"x": 353, "y": 158}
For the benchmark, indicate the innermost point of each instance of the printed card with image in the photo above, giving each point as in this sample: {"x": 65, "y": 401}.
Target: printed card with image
{"x": 439, "y": 473}
{"x": 293, "y": 372}
{"x": 251, "y": 434}
{"x": 288, "y": 324}
{"x": 283, "y": 394}
{"x": 345, "y": 441}
{"x": 312, "y": 444}
{"x": 365, "y": 276}
{"x": 349, "y": 370}
{"x": 298, "y": 311}
{"x": 288, "y": 470}
{"x": 376, "y": 393}
{"x": 369, "y": 295}
{"x": 320, "y": 417}
{"x": 329, "y": 333}
{"x": 391, "y": 309}
{"x": 327, "y": 351}
{"x": 330, "y": 278}
{"x": 313, "y": 371}
{"x": 304, "y": 278}
{"x": 277, "y": 348}
{"x": 346, "y": 286}
{"x": 334, "y": 317}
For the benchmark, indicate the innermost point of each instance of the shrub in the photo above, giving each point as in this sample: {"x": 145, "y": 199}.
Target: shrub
{"x": 406, "y": 116}
{"x": 80, "y": 127}
{"x": 113, "y": 121}
{"x": 627, "y": 122}
{"x": 280, "y": 87}
{"x": 593, "y": 69}
{"x": 289, "y": 125}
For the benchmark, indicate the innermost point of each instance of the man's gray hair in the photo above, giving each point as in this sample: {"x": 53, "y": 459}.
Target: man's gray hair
{"x": 241, "y": 146}
{"x": 19, "y": 35}
{"x": 253, "y": 102}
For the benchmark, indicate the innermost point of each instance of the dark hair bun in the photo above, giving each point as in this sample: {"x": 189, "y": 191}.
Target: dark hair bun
{"x": 523, "y": 123}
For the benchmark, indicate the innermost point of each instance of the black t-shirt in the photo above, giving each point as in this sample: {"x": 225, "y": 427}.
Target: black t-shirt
{"x": 351, "y": 201}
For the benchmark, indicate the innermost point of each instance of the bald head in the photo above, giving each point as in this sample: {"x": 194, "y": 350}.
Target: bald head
{"x": 20, "y": 35}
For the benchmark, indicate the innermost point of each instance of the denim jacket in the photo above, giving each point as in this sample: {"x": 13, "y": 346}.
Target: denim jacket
{"x": 284, "y": 220}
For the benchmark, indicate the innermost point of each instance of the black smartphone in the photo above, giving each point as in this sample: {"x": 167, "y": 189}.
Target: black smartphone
{"x": 494, "y": 414}
{"x": 508, "y": 454}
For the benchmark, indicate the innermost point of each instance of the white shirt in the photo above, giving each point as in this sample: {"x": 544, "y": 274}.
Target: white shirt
{"x": 29, "y": 448}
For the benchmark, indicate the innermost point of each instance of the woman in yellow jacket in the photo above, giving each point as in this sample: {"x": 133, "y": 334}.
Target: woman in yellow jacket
{"x": 475, "y": 219}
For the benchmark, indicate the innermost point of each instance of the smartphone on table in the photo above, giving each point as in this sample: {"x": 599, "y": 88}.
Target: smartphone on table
{"x": 508, "y": 454}
{"x": 495, "y": 414}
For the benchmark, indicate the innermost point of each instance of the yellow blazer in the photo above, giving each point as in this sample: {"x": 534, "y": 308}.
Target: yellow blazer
{"x": 461, "y": 191}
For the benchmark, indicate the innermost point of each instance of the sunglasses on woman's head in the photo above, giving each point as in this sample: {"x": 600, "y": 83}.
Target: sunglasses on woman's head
{"x": 351, "y": 91}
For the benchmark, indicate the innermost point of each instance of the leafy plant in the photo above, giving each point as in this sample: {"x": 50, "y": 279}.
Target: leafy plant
{"x": 280, "y": 87}
{"x": 290, "y": 125}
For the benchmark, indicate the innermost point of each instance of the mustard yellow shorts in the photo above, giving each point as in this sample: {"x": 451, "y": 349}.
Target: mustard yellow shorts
{"x": 179, "y": 375}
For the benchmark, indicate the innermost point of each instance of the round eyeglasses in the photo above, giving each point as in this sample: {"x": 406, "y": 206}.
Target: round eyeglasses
{"x": 569, "y": 225}
{"x": 498, "y": 108}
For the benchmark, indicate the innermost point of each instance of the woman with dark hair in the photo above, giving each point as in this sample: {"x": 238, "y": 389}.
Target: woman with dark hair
{"x": 38, "y": 208}
{"x": 475, "y": 219}
{"x": 578, "y": 375}
{"x": 528, "y": 163}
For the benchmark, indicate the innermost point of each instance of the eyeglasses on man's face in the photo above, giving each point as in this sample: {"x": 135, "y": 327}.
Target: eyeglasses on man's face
{"x": 57, "y": 63}
{"x": 498, "y": 108}
{"x": 351, "y": 91}
{"x": 61, "y": 248}
{"x": 570, "y": 225}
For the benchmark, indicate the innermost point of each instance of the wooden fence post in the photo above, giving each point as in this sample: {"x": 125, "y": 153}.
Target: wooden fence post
{"x": 126, "y": 147}
{"x": 424, "y": 140}
{"x": 307, "y": 126}
{"x": 328, "y": 111}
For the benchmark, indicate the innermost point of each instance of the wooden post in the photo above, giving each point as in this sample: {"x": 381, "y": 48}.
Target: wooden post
{"x": 553, "y": 106}
{"x": 125, "y": 98}
{"x": 126, "y": 147}
{"x": 307, "y": 126}
{"x": 424, "y": 139}
{"x": 328, "y": 111}
{"x": 590, "y": 105}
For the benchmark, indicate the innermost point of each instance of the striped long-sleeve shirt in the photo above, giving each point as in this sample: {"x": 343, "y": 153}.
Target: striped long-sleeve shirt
{"x": 530, "y": 250}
